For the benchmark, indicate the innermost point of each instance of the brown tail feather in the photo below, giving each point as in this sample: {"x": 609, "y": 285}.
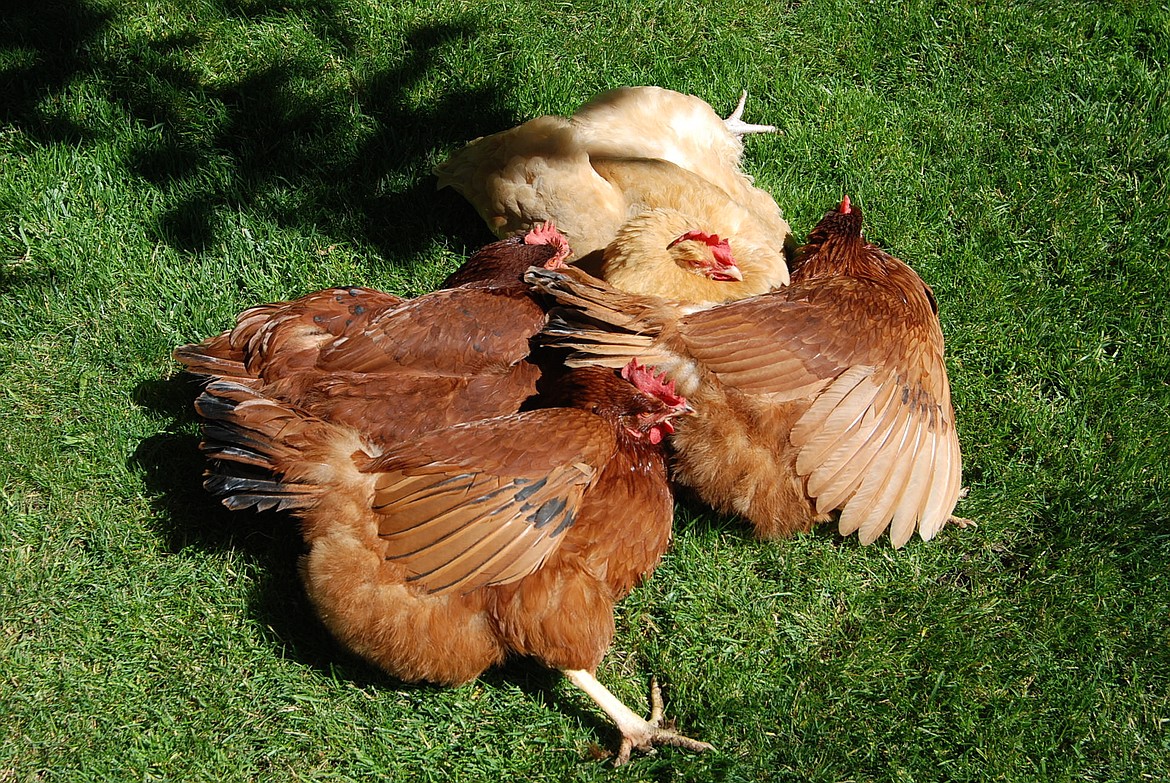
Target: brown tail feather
{"x": 214, "y": 357}
{"x": 600, "y": 324}
{"x": 266, "y": 454}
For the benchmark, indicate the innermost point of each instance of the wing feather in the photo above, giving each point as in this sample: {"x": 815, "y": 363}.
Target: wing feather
{"x": 486, "y": 504}
{"x": 874, "y": 460}
{"x": 898, "y": 451}
{"x": 882, "y": 453}
{"x": 945, "y": 488}
{"x": 918, "y": 466}
{"x": 845, "y": 402}
{"x": 481, "y": 531}
{"x": 846, "y": 471}
{"x": 844, "y": 432}
{"x": 763, "y": 345}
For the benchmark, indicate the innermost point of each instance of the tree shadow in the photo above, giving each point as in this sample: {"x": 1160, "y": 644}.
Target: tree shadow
{"x": 1132, "y": 531}
{"x": 310, "y": 163}
{"x": 289, "y": 140}
{"x": 48, "y": 45}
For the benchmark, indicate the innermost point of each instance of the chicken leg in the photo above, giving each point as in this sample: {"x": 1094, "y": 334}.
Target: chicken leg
{"x": 636, "y": 732}
{"x": 735, "y": 125}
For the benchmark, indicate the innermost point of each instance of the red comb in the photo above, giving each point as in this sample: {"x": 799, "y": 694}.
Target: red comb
{"x": 720, "y": 248}
{"x": 655, "y": 385}
{"x": 845, "y": 209}
{"x": 547, "y": 234}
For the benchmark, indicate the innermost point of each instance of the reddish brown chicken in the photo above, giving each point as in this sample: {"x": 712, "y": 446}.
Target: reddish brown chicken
{"x": 438, "y": 558}
{"x": 351, "y": 355}
{"x": 829, "y": 395}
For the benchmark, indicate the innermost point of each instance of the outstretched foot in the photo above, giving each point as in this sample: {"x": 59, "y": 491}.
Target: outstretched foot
{"x": 637, "y": 733}
{"x": 644, "y": 735}
{"x": 735, "y": 125}
{"x": 961, "y": 522}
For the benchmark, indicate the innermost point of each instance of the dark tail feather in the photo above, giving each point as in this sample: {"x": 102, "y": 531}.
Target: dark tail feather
{"x": 251, "y": 440}
{"x": 213, "y": 358}
{"x": 595, "y": 342}
{"x": 238, "y": 493}
{"x": 597, "y": 323}
{"x": 600, "y": 302}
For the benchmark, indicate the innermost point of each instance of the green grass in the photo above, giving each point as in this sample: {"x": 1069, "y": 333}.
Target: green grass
{"x": 166, "y": 163}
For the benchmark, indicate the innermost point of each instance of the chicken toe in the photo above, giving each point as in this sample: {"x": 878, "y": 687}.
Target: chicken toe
{"x": 736, "y": 125}
{"x": 637, "y": 733}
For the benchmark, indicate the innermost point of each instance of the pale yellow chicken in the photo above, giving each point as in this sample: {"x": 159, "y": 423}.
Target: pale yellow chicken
{"x": 638, "y": 165}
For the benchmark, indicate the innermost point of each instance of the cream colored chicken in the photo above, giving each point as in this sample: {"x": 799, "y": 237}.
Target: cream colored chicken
{"x": 635, "y": 163}
{"x": 686, "y": 131}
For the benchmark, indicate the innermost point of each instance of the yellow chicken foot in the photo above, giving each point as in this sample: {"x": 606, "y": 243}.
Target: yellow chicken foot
{"x": 735, "y": 125}
{"x": 636, "y": 732}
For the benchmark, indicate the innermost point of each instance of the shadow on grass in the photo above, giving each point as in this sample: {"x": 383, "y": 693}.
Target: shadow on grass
{"x": 190, "y": 518}
{"x": 1130, "y": 530}
{"x": 304, "y": 137}
{"x": 48, "y": 46}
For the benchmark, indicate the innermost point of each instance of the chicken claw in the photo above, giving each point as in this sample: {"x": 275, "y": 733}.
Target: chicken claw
{"x": 735, "y": 125}
{"x": 636, "y": 732}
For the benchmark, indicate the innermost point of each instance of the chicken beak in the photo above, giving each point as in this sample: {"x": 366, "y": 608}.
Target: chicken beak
{"x": 728, "y": 273}
{"x": 721, "y": 274}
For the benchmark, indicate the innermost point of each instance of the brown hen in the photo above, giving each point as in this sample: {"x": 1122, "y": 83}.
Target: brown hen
{"x": 436, "y": 559}
{"x": 637, "y": 152}
{"x": 831, "y": 394}
{"x": 351, "y": 355}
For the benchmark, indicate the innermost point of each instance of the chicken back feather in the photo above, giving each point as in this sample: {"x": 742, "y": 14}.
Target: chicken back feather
{"x": 349, "y": 355}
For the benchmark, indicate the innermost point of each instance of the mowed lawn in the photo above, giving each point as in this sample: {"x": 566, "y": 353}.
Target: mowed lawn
{"x": 166, "y": 163}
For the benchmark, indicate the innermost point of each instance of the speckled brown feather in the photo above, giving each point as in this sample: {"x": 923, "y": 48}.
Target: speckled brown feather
{"x": 451, "y": 331}
{"x": 420, "y": 401}
{"x": 453, "y": 489}
{"x": 279, "y": 339}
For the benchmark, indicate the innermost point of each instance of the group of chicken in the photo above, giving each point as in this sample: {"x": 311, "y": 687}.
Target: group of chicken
{"x": 485, "y": 470}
